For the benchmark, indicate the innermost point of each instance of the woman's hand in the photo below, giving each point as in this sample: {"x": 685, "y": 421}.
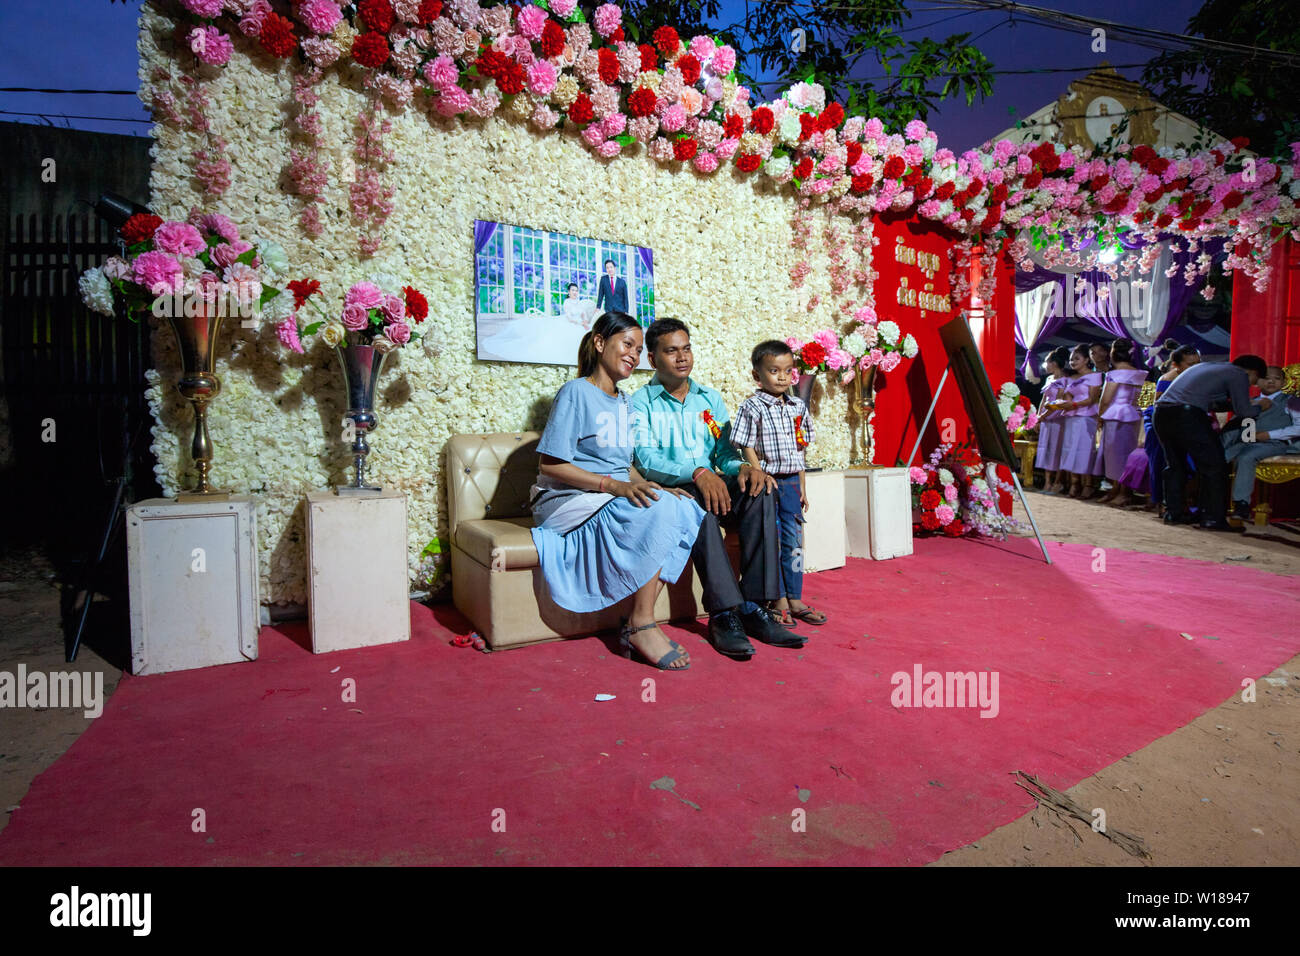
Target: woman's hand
{"x": 640, "y": 493}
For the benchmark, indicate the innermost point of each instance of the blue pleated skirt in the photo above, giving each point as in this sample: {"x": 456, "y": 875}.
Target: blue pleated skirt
{"x": 617, "y": 550}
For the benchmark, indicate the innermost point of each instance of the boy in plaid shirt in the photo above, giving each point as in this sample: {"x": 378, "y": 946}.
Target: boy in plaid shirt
{"x": 772, "y": 428}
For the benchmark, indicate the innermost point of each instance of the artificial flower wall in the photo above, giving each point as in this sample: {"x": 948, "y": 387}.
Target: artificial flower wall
{"x": 724, "y": 253}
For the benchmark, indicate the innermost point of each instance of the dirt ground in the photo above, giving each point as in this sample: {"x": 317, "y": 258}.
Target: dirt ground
{"x": 1220, "y": 791}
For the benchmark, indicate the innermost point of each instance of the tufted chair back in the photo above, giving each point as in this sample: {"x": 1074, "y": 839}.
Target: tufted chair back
{"x": 488, "y": 476}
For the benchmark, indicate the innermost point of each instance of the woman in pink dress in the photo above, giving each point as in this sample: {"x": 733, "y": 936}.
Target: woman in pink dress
{"x": 1120, "y": 416}
{"x": 1050, "y": 421}
{"x": 1079, "y": 435}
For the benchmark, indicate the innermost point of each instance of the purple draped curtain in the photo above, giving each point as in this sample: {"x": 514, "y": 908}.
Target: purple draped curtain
{"x": 647, "y": 259}
{"x": 482, "y": 233}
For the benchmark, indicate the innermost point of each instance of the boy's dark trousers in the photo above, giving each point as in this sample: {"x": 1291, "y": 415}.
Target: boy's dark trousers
{"x": 754, "y": 518}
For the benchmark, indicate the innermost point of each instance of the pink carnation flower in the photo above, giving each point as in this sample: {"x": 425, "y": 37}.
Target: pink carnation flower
{"x": 441, "y": 72}
{"x": 705, "y": 162}
{"x": 215, "y": 224}
{"x": 365, "y": 294}
{"x": 394, "y": 308}
{"x": 827, "y": 339}
{"x": 727, "y": 148}
{"x": 614, "y": 125}
{"x": 210, "y": 45}
{"x": 915, "y": 130}
{"x": 610, "y": 148}
{"x": 562, "y": 8}
{"x": 158, "y": 272}
{"x": 542, "y": 77}
{"x": 179, "y": 238}
{"x": 321, "y": 16}
{"x": 871, "y": 358}
{"x": 945, "y": 514}
{"x": 865, "y": 314}
{"x": 890, "y": 361}
{"x": 702, "y": 47}
{"x": 203, "y": 8}
{"x": 355, "y": 317}
{"x": 529, "y": 22}
{"x": 950, "y": 493}
{"x": 227, "y": 253}
{"x": 287, "y": 331}
{"x": 724, "y": 61}
{"x": 674, "y": 118}
{"x": 452, "y": 100}
{"x": 838, "y": 359}
{"x": 607, "y": 18}
{"x": 917, "y": 475}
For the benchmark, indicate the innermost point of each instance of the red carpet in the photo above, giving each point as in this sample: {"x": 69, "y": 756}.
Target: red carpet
{"x": 1091, "y": 667}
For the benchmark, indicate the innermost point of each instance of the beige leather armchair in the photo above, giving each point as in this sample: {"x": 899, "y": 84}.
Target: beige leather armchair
{"x": 495, "y": 578}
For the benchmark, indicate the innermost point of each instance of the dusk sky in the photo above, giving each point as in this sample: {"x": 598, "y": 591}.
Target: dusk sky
{"x": 90, "y": 44}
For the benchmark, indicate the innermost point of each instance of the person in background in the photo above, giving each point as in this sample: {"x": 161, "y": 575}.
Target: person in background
{"x": 1119, "y": 417}
{"x": 686, "y": 444}
{"x": 1182, "y": 420}
{"x": 603, "y": 532}
{"x": 772, "y": 429}
{"x": 1099, "y": 352}
{"x": 1050, "y": 420}
{"x": 1182, "y": 358}
{"x": 1275, "y": 432}
{"x": 1079, "y": 435}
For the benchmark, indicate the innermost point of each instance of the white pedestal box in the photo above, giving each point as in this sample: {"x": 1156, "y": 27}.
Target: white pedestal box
{"x": 878, "y": 513}
{"x": 193, "y": 583}
{"x": 823, "y": 529}
{"x": 358, "y": 589}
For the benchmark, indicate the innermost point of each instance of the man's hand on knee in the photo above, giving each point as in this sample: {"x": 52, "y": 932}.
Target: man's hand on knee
{"x": 714, "y": 492}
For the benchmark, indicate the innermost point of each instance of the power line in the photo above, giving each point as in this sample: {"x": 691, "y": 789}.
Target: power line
{"x": 105, "y": 119}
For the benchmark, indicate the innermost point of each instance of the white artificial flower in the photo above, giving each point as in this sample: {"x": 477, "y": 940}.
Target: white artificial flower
{"x": 790, "y": 128}
{"x": 274, "y": 259}
{"x": 910, "y": 348}
{"x": 889, "y": 332}
{"x": 388, "y": 282}
{"x": 332, "y": 334}
{"x": 945, "y": 476}
{"x": 777, "y": 166}
{"x": 96, "y": 291}
{"x": 855, "y": 344}
{"x": 1010, "y": 390}
{"x": 278, "y": 307}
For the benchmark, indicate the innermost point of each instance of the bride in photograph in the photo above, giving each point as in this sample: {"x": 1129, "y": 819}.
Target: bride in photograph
{"x": 542, "y": 338}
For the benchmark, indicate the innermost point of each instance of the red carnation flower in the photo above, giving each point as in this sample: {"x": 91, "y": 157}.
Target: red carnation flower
{"x": 862, "y": 184}
{"x": 430, "y": 10}
{"x": 804, "y": 168}
{"x": 894, "y": 167}
{"x": 762, "y": 122}
{"x": 369, "y": 49}
{"x": 417, "y": 306}
{"x": 1154, "y": 195}
{"x": 999, "y": 193}
{"x": 1233, "y": 199}
{"x": 618, "y": 36}
{"x": 1142, "y": 154}
{"x": 608, "y": 68}
{"x": 1189, "y": 225}
{"x": 552, "y": 39}
{"x": 945, "y": 191}
{"x": 376, "y": 14}
{"x": 1163, "y": 220}
{"x": 667, "y": 40}
{"x": 580, "y": 111}
{"x": 924, "y": 187}
{"x": 748, "y": 162}
{"x": 510, "y": 80}
{"x": 912, "y": 178}
{"x": 733, "y": 126}
{"x": 992, "y": 219}
{"x": 831, "y": 117}
{"x": 302, "y": 289}
{"x": 854, "y": 154}
{"x": 931, "y": 480}
{"x": 492, "y": 64}
{"x": 1177, "y": 184}
{"x": 641, "y": 102}
{"x": 975, "y": 188}
{"x": 685, "y": 147}
{"x": 277, "y": 35}
{"x": 968, "y": 214}
{"x": 689, "y": 64}
{"x": 807, "y": 126}
{"x": 954, "y": 528}
{"x": 140, "y": 227}
{"x": 813, "y": 354}
{"x": 1242, "y": 248}
{"x": 930, "y": 500}
{"x": 649, "y": 58}
{"x": 1201, "y": 208}
{"x": 1117, "y": 204}
{"x": 1241, "y": 142}
{"x": 1099, "y": 181}
{"x": 1158, "y": 166}
{"x": 1033, "y": 179}
{"x": 929, "y": 522}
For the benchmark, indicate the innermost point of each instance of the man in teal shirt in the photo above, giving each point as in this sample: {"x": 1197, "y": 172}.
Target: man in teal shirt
{"x": 684, "y": 444}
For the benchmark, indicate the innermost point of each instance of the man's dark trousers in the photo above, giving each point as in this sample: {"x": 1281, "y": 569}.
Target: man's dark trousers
{"x": 760, "y": 550}
{"x": 1186, "y": 430}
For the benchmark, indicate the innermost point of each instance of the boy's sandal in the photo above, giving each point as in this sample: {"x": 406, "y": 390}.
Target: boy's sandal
{"x": 810, "y": 615}
{"x": 782, "y": 617}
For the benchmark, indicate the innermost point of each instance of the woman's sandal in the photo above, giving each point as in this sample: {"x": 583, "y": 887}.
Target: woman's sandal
{"x": 810, "y": 615}
{"x": 664, "y": 663}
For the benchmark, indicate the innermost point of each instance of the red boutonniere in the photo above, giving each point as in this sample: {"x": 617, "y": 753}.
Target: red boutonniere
{"x": 799, "y": 438}
{"x": 714, "y": 430}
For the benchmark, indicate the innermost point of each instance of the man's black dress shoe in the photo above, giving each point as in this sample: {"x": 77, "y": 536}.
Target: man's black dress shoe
{"x": 761, "y": 625}
{"x": 1220, "y": 526}
{"x": 728, "y": 636}
{"x": 1179, "y": 519}
{"x": 1241, "y": 509}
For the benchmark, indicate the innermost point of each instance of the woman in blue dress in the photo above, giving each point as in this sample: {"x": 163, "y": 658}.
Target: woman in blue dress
{"x": 603, "y": 532}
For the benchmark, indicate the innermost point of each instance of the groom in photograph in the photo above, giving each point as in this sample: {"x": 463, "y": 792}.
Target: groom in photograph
{"x": 611, "y": 296}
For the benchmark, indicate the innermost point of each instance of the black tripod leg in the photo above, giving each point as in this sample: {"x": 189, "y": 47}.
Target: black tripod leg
{"x": 88, "y": 576}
